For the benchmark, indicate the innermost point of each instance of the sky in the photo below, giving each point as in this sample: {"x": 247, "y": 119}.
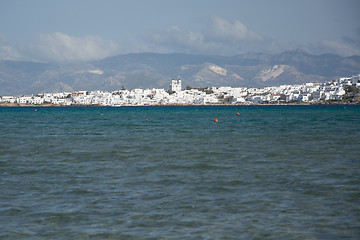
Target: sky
{"x": 84, "y": 30}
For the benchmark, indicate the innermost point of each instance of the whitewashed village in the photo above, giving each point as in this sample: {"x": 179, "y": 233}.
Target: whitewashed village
{"x": 176, "y": 95}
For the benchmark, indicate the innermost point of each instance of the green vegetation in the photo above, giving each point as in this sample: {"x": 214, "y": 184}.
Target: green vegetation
{"x": 170, "y": 92}
{"x": 352, "y": 94}
{"x": 351, "y": 89}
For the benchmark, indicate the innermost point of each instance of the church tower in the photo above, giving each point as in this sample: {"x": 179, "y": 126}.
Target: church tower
{"x": 175, "y": 85}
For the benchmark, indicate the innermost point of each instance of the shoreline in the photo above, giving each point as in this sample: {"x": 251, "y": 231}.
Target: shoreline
{"x": 184, "y": 105}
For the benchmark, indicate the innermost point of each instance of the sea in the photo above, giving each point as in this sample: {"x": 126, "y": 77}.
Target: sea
{"x": 173, "y": 172}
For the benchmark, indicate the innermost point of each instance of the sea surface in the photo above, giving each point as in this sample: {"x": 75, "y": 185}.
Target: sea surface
{"x": 269, "y": 172}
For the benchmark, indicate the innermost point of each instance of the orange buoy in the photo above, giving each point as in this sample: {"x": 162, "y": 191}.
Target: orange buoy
{"x": 216, "y": 120}
{"x": 147, "y": 119}
{"x": 237, "y": 113}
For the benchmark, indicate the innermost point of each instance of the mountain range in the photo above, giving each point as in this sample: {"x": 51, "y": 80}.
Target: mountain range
{"x": 155, "y": 70}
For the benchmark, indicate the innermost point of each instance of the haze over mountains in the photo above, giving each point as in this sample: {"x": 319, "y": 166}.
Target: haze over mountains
{"x": 154, "y": 70}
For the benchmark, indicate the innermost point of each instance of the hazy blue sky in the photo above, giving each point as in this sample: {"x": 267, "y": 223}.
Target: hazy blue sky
{"x": 71, "y": 30}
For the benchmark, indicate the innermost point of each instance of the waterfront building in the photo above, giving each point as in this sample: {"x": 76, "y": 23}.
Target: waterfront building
{"x": 175, "y": 85}
{"x": 307, "y": 92}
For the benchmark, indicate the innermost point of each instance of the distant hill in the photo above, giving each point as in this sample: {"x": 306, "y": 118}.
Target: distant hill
{"x": 153, "y": 70}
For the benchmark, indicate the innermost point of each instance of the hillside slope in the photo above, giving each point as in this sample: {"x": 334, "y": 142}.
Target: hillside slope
{"x": 152, "y": 70}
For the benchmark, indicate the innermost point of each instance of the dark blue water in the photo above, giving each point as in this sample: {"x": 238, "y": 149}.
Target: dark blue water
{"x": 271, "y": 172}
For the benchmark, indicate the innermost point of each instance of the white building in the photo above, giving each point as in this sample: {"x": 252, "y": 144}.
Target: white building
{"x": 9, "y": 99}
{"x": 308, "y": 92}
{"x": 175, "y": 85}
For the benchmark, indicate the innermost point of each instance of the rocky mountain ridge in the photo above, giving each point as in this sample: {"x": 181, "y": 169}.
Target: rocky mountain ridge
{"x": 154, "y": 70}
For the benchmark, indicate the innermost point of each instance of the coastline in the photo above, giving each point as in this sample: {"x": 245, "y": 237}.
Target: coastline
{"x": 185, "y": 105}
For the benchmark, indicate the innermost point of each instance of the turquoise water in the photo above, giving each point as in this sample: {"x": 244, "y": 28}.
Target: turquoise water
{"x": 271, "y": 172}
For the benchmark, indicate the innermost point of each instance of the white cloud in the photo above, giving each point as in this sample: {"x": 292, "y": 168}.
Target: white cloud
{"x": 7, "y": 51}
{"x": 59, "y": 47}
{"x": 62, "y": 47}
{"x": 180, "y": 40}
{"x": 222, "y": 30}
{"x": 218, "y": 37}
{"x": 354, "y": 41}
{"x": 340, "y": 49}
{"x": 331, "y": 47}
{"x": 222, "y": 37}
